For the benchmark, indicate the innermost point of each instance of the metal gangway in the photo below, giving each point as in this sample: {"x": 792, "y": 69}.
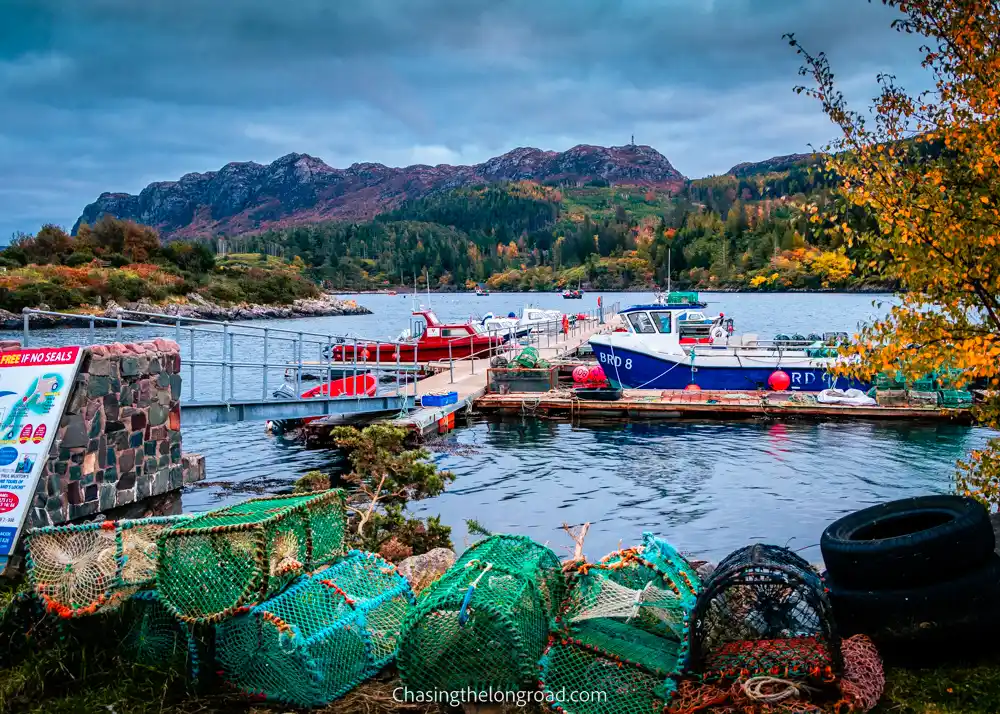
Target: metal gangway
{"x": 235, "y": 371}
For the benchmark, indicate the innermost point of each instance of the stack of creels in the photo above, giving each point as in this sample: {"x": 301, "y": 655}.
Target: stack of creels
{"x": 324, "y": 635}
{"x": 153, "y": 637}
{"x": 622, "y": 635}
{"x": 483, "y": 624}
{"x": 220, "y": 561}
{"x": 94, "y": 567}
{"x": 764, "y": 612}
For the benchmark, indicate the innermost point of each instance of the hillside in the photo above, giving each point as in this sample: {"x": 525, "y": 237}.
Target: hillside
{"x": 299, "y": 188}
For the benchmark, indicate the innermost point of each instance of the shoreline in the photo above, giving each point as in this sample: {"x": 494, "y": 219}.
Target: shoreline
{"x": 879, "y": 290}
{"x": 197, "y": 307}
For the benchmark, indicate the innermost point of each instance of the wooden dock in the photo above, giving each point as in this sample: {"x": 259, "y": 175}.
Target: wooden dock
{"x": 468, "y": 377}
{"x": 644, "y": 404}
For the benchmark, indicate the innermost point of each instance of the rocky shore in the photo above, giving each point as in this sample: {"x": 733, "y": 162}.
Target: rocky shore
{"x": 197, "y": 306}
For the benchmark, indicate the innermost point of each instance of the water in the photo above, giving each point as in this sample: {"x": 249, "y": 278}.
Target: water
{"x": 708, "y": 487}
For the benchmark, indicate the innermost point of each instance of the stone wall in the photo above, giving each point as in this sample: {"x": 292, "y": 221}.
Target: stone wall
{"x": 119, "y": 441}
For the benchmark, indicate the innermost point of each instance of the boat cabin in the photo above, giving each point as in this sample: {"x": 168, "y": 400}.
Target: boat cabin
{"x": 425, "y": 323}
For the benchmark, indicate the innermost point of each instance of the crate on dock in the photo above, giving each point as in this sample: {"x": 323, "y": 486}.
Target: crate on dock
{"x": 891, "y": 397}
{"x": 438, "y": 399}
{"x": 888, "y": 382}
{"x": 218, "y": 562}
{"x": 922, "y": 398}
{"x": 500, "y": 380}
{"x": 954, "y": 398}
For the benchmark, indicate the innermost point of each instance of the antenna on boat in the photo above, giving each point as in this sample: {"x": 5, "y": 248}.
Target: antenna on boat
{"x": 427, "y": 279}
{"x": 669, "y": 251}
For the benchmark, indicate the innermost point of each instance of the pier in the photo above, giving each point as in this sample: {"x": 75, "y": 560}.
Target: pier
{"x": 648, "y": 404}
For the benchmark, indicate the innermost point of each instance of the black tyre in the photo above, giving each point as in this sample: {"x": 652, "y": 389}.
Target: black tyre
{"x": 948, "y": 620}
{"x": 908, "y": 543}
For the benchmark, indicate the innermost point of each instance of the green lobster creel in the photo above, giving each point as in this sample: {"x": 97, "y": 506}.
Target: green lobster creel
{"x": 153, "y": 637}
{"x": 94, "y": 567}
{"x": 243, "y": 554}
{"x": 320, "y": 638}
{"x": 622, "y": 635}
{"x": 484, "y": 623}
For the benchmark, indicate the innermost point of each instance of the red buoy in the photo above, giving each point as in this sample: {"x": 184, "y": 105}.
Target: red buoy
{"x": 779, "y": 381}
{"x": 596, "y": 374}
{"x": 580, "y": 374}
{"x": 692, "y": 388}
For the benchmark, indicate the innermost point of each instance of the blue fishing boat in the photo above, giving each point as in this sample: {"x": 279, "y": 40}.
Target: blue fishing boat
{"x": 670, "y": 345}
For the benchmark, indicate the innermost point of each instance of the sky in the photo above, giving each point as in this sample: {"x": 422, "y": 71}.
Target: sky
{"x": 111, "y": 95}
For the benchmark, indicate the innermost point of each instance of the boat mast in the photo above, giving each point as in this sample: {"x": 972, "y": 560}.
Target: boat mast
{"x": 669, "y": 251}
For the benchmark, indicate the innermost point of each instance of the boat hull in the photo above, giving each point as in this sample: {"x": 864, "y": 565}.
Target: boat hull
{"x": 632, "y": 369}
{"x": 385, "y": 353}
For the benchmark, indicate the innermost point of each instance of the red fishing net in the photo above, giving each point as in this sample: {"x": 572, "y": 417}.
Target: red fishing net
{"x": 752, "y": 692}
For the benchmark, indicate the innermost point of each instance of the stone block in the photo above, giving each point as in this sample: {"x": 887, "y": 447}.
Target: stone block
{"x": 157, "y": 414}
{"x": 113, "y": 426}
{"x": 149, "y": 448}
{"x": 155, "y": 367}
{"x": 176, "y": 477}
{"x": 121, "y": 440}
{"x": 125, "y": 497}
{"x": 138, "y": 421}
{"x": 74, "y": 493}
{"x": 106, "y": 499}
{"x": 175, "y": 386}
{"x": 97, "y": 423}
{"x": 163, "y": 398}
{"x": 136, "y": 439}
{"x": 175, "y": 418}
{"x": 90, "y": 462}
{"x": 129, "y": 366}
{"x": 158, "y": 433}
{"x": 110, "y": 475}
{"x": 75, "y": 472}
{"x": 61, "y": 467}
{"x": 126, "y": 460}
{"x": 175, "y": 453}
{"x": 163, "y": 461}
{"x": 161, "y": 481}
{"x": 163, "y": 380}
{"x": 144, "y": 487}
{"x": 76, "y": 432}
{"x": 193, "y": 468}
{"x": 99, "y": 386}
{"x": 112, "y": 457}
{"x": 82, "y": 511}
{"x": 90, "y": 493}
{"x": 126, "y": 481}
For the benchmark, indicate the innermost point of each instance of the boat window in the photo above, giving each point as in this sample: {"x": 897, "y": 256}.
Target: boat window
{"x": 662, "y": 320}
{"x": 641, "y": 323}
{"x": 454, "y": 332}
{"x": 418, "y": 328}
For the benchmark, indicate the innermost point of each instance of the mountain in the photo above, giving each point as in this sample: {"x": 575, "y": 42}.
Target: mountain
{"x": 299, "y": 188}
{"x": 775, "y": 164}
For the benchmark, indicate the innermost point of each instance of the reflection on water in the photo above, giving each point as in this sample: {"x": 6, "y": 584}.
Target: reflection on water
{"x": 709, "y": 487}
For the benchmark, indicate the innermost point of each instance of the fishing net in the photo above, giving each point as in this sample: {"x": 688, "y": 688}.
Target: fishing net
{"x": 529, "y": 359}
{"x": 243, "y": 554}
{"x": 622, "y": 636}
{"x": 858, "y": 690}
{"x": 153, "y": 637}
{"x": 324, "y": 635}
{"x": 82, "y": 569}
{"x": 485, "y": 622}
{"x": 763, "y": 611}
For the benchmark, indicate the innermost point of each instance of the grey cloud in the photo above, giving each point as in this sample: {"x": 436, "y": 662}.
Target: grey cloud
{"x": 102, "y": 95}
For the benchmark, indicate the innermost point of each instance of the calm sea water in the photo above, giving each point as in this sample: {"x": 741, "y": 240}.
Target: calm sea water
{"x": 708, "y": 487}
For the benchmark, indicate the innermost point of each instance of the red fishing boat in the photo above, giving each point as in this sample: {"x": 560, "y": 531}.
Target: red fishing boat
{"x": 361, "y": 385}
{"x": 427, "y": 340}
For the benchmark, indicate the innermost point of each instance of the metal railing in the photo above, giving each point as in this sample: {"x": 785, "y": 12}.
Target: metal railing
{"x": 224, "y": 362}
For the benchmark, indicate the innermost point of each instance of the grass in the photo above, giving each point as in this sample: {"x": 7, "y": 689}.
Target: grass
{"x": 72, "y": 671}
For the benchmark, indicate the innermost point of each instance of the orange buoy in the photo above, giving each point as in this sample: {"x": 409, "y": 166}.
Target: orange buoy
{"x": 692, "y": 388}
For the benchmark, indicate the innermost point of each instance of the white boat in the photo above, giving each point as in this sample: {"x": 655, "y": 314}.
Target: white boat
{"x": 541, "y": 320}
{"x": 665, "y": 346}
{"x": 507, "y": 326}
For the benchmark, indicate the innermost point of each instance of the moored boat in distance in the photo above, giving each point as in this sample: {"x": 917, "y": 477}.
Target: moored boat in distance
{"x": 427, "y": 340}
{"x": 665, "y": 345}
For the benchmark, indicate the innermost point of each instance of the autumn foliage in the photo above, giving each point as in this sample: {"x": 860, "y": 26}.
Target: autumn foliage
{"x": 928, "y": 168}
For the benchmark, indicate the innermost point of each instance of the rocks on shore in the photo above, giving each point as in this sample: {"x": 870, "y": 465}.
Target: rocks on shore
{"x": 198, "y": 307}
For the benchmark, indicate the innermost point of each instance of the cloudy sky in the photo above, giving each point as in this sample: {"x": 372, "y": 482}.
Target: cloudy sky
{"x": 110, "y": 95}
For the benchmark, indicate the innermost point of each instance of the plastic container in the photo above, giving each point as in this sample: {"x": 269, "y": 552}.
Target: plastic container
{"x": 441, "y": 399}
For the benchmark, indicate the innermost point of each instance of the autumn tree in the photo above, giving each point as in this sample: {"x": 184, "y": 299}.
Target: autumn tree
{"x": 928, "y": 169}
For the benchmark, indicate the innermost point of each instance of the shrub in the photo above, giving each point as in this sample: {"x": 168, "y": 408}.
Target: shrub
{"x": 81, "y": 257}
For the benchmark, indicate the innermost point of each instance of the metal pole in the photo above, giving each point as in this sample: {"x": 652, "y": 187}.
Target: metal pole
{"x": 398, "y": 373}
{"x": 225, "y": 361}
{"x": 329, "y": 362}
{"x": 297, "y": 347}
{"x": 263, "y": 388}
{"x": 232, "y": 380}
{"x": 472, "y": 354}
{"x": 451, "y": 363}
{"x": 191, "y": 359}
{"x": 354, "y": 360}
{"x": 177, "y": 330}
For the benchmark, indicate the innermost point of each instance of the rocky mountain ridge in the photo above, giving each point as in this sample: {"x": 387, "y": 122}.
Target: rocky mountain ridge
{"x": 299, "y": 188}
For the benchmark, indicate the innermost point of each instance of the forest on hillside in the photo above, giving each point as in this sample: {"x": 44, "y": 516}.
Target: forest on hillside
{"x": 767, "y": 231}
